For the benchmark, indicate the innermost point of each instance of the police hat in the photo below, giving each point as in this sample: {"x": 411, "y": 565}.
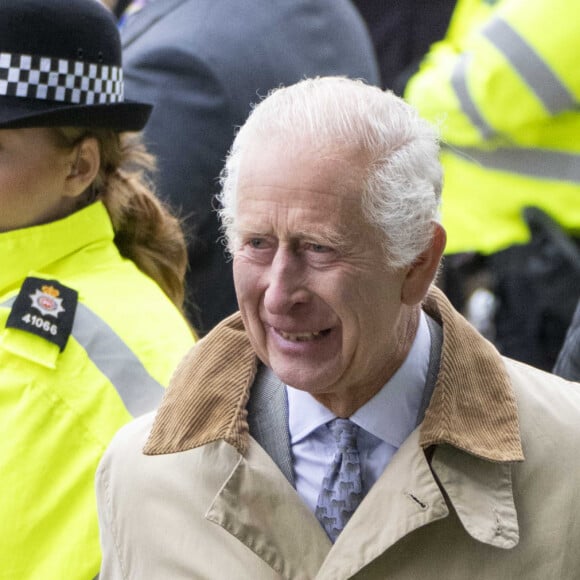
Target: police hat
{"x": 60, "y": 65}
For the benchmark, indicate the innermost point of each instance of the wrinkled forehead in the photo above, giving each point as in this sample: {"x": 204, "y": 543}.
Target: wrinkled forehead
{"x": 300, "y": 190}
{"x": 303, "y": 162}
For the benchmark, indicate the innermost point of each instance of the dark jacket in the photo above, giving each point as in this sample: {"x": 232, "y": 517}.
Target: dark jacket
{"x": 568, "y": 363}
{"x": 203, "y": 63}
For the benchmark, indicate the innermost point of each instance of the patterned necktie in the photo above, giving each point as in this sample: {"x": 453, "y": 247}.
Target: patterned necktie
{"x": 341, "y": 491}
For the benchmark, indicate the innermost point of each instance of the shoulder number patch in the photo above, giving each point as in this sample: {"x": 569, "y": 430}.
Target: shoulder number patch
{"x": 45, "y": 308}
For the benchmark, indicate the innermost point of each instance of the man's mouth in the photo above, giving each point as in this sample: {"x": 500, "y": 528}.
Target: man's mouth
{"x": 303, "y": 336}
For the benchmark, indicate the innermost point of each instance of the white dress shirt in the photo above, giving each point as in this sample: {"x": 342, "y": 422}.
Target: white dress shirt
{"x": 384, "y": 423}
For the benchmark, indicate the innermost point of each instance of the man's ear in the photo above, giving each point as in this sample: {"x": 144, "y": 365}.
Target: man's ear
{"x": 424, "y": 269}
{"x": 84, "y": 167}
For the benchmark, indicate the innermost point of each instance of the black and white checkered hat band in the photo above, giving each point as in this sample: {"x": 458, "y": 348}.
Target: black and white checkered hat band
{"x": 56, "y": 79}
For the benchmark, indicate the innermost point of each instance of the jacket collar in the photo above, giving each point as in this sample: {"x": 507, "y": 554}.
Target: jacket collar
{"x": 30, "y": 249}
{"x": 472, "y": 408}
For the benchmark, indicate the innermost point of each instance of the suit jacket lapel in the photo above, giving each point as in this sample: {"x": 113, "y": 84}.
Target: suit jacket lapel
{"x": 268, "y": 419}
{"x": 436, "y": 333}
{"x": 145, "y": 18}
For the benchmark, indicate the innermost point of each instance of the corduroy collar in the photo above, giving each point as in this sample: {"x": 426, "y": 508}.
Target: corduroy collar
{"x": 472, "y": 408}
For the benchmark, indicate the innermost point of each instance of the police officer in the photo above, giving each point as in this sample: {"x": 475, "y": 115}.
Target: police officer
{"x": 504, "y": 85}
{"x": 91, "y": 280}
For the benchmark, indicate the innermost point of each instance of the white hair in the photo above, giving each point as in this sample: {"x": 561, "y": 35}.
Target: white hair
{"x": 401, "y": 194}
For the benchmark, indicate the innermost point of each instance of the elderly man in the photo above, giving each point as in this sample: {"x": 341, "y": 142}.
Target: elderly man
{"x": 347, "y": 423}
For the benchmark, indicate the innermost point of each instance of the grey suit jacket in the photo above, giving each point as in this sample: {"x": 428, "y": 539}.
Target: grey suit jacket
{"x": 268, "y": 406}
{"x": 203, "y": 63}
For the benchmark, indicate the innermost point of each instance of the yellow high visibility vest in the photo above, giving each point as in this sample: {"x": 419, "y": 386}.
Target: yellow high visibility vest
{"x": 504, "y": 86}
{"x": 87, "y": 342}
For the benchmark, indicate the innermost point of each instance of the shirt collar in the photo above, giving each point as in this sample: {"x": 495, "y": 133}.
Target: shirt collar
{"x": 390, "y": 415}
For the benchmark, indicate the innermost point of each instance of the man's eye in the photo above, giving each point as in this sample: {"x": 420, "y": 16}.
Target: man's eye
{"x": 318, "y": 248}
{"x": 257, "y": 243}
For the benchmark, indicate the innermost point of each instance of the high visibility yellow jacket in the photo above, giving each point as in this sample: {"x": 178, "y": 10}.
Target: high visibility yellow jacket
{"x": 504, "y": 84}
{"x": 87, "y": 342}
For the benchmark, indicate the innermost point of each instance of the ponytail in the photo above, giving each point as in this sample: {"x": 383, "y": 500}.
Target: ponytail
{"x": 146, "y": 231}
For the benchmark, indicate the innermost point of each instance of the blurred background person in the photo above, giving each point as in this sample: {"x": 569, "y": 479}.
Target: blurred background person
{"x": 91, "y": 280}
{"x": 505, "y": 86}
{"x": 203, "y": 63}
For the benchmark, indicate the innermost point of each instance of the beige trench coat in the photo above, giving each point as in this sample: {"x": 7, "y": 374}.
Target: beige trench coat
{"x": 476, "y": 492}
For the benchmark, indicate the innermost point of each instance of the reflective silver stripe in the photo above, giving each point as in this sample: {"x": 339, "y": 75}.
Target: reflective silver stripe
{"x": 459, "y": 84}
{"x": 139, "y": 391}
{"x": 529, "y": 162}
{"x": 529, "y": 64}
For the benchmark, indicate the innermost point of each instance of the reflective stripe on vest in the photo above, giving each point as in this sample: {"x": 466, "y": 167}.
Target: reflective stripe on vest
{"x": 530, "y": 66}
{"x": 540, "y": 78}
{"x": 139, "y": 391}
{"x": 468, "y": 106}
{"x": 534, "y": 163}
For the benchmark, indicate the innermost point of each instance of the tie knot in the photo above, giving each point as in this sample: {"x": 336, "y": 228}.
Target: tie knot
{"x": 344, "y": 432}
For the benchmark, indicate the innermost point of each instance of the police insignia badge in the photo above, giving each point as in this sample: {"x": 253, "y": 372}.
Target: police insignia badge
{"x": 45, "y": 308}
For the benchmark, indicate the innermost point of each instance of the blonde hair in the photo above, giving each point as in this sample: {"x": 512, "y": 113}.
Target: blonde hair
{"x": 146, "y": 231}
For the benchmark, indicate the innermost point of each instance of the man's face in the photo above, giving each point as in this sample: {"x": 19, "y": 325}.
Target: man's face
{"x": 320, "y": 308}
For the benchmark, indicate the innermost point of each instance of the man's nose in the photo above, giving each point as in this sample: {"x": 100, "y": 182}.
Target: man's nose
{"x": 286, "y": 287}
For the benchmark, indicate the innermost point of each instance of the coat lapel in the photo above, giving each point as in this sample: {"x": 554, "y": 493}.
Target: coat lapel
{"x": 413, "y": 492}
{"x": 259, "y": 507}
{"x": 268, "y": 419}
{"x": 481, "y": 494}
